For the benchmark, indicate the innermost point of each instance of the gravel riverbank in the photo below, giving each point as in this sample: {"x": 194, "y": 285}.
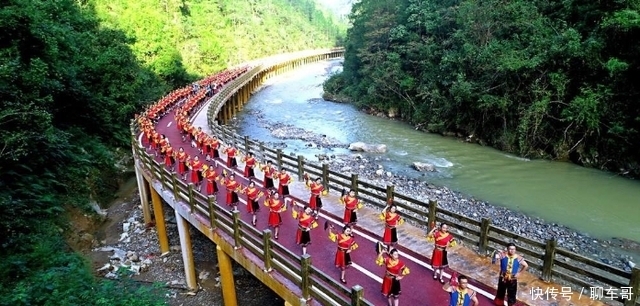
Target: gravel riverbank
{"x": 621, "y": 253}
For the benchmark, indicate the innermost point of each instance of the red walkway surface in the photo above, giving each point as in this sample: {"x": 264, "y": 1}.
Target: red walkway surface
{"x": 418, "y": 288}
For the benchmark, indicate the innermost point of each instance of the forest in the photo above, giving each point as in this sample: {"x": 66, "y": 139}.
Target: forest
{"x": 542, "y": 79}
{"x": 72, "y": 76}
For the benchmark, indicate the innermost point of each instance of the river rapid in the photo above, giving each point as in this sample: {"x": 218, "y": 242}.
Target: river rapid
{"x": 289, "y": 112}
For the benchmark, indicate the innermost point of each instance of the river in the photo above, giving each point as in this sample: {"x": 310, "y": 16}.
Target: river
{"x": 598, "y": 203}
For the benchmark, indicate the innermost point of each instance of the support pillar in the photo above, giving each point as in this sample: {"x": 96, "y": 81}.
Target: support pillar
{"x": 144, "y": 196}
{"x": 226, "y": 278}
{"x": 158, "y": 213}
{"x": 187, "y": 252}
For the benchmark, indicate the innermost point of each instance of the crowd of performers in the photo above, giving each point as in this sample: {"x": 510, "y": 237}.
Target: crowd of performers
{"x": 202, "y": 169}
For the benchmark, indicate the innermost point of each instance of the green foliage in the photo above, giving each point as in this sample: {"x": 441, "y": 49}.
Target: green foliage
{"x": 538, "y": 78}
{"x": 43, "y": 275}
{"x": 203, "y": 37}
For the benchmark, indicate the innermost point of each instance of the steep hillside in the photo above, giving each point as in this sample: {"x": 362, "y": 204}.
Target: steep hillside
{"x": 207, "y": 36}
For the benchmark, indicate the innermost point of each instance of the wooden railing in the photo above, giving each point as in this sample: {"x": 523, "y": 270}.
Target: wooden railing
{"x": 550, "y": 261}
{"x": 312, "y": 282}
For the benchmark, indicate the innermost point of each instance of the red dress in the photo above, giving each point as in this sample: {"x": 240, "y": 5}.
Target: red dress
{"x": 169, "y": 159}
{"x": 232, "y": 196}
{"x": 250, "y": 162}
{"x": 231, "y": 157}
{"x": 391, "y": 221}
{"x": 268, "y": 176}
{"x": 345, "y": 243}
{"x": 439, "y": 256}
{"x": 316, "y": 190}
{"x": 213, "y": 148}
{"x": 275, "y": 205}
{"x": 283, "y": 182}
{"x": 253, "y": 194}
{"x": 390, "y": 283}
{"x": 305, "y": 222}
{"x": 350, "y": 206}
{"x": 182, "y": 162}
{"x": 211, "y": 175}
{"x": 196, "y": 175}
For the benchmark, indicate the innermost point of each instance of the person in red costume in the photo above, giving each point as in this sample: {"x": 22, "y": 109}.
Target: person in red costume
{"x": 253, "y": 194}
{"x": 169, "y": 158}
{"x": 249, "y": 163}
{"x": 351, "y": 205}
{"x": 182, "y": 157}
{"x": 276, "y": 206}
{"x": 306, "y": 222}
{"x": 317, "y": 190}
{"x": 395, "y": 271}
{"x": 391, "y": 220}
{"x": 442, "y": 239}
{"x": 196, "y": 171}
{"x": 269, "y": 171}
{"x": 231, "y": 152}
{"x": 346, "y": 243}
{"x": 284, "y": 179}
{"x": 214, "y": 144}
{"x": 232, "y": 187}
{"x": 211, "y": 175}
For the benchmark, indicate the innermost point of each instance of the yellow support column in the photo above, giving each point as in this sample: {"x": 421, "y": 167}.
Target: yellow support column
{"x": 158, "y": 213}
{"x": 226, "y": 278}
{"x": 144, "y": 196}
{"x": 187, "y": 252}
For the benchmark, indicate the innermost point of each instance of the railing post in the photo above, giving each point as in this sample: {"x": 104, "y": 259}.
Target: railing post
{"x": 357, "y": 293}
{"x": 325, "y": 176}
{"x": 246, "y": 144}
{"x": 485, "y": 225}
{"x": 305, "y": 270}
{"x": 279, "y": 158}
{"x": 174, "y": 182}
{"x": 634, "y": 284}
{"x": 390, "y": 193}
{"x": 432, "y": 211}
{"x": 549, "y": 257}
{"x": 263, "y": 152}
{"x": 212, "y": 211}
{"x": 354, "y": 182}
{"x": 192, "y": 200}
{"x": 236, "y": 229}
{"x": 300, "y": 168}
{"x": 266, "y": 249}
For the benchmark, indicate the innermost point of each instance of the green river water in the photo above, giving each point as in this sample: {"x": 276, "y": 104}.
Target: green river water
{"x": 598, "y": 203}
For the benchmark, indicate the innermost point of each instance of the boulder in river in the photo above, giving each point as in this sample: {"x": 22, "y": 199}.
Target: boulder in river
{"x": 424, "y": 167}
{"x": 369, "y": 148}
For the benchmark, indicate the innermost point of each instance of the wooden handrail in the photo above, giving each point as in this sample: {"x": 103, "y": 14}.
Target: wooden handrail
{"x": 484, "y": 233}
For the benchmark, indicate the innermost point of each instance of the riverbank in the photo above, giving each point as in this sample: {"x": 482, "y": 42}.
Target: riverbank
{"x": 621, "y": 253}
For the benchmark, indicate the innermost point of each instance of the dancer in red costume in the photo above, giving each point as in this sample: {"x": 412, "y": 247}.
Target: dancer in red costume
{"x": 231, "y": 152}
{"x": 351, "y": 205}
{"x": 284, "y": 179}
{"x": 276, "y": 206}
{"x": 249, "y": 163}
{"x": 182, "y": 157}
{"x": 196, "y": 171}
{"x": 442, "y": 239}
{"x": 211, "y": 175}
{"x": 317, "y": 190}
{"x": 269, "y": 171}
{"x": 232, "y": 187}
{"x": 306, "y": 222}
{"x": 346, "y": 243}
{"x": 253, "y": 194}
{"x": 391, "y": 220}
{"x": 395, "y": 271}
